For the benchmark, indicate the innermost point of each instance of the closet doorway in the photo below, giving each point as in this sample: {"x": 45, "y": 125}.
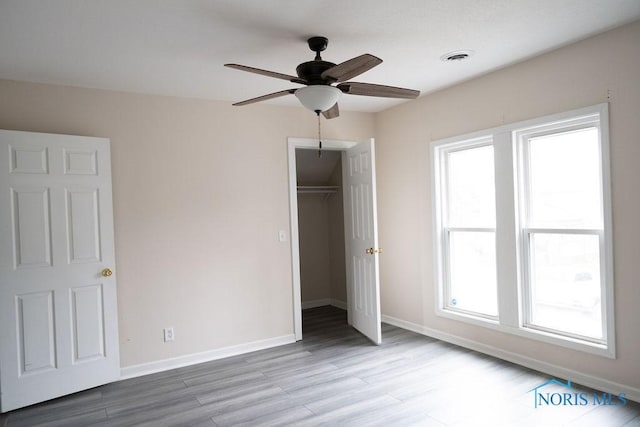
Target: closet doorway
{"x": 331, "y": 197}
{"x": 321, "y": 229}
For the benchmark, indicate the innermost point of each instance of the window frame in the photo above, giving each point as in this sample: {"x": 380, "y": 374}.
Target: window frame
{"x": 448, "y": 229}
{"x": 521, "y": 138}
{"x": 511, "y": 253}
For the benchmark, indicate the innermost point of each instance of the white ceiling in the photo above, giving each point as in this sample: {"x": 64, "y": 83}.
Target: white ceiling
{"x": 178, "y": 47}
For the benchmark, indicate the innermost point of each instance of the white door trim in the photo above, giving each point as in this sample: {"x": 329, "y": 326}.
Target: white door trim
{"x": 308, "y": 143}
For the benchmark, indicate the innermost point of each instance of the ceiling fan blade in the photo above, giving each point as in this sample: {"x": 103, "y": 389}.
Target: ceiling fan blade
{"x": 368, "y": 89}
{"x": 265, "y": 97}
{"x": 351, "y": 68}
{"x": 332, "y": 112}
{"x": 267, "y": 73}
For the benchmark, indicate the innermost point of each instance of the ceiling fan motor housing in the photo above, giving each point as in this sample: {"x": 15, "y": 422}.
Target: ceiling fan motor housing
{"x": 312, "y": 71}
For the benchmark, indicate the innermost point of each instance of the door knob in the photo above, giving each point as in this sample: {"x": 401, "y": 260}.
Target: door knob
{"x": 378, "y": 251}
{"x": 369, "y": 251}
{"x": 106, "y": 272}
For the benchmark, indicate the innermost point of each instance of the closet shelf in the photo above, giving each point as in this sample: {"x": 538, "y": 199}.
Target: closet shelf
{"x": 317, "y": 189}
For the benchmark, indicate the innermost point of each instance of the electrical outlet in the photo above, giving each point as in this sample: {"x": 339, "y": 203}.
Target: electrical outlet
{"x": 168, "y": 334}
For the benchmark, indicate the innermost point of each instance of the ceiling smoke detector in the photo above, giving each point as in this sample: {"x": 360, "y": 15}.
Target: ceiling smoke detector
{"x": 457, "y": 55}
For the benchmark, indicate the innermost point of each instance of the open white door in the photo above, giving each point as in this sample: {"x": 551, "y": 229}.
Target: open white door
{"x": 361, "y": 238}
{"x": 58, "y": 310}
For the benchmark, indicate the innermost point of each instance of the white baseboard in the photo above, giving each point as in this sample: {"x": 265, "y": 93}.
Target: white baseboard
{"x": 597, "y": 383}
{"x": 322, "y": 302}
{"x": 339, "y": 304}
{"x": 316, "y": 303}
{"x": 206, "y": 356}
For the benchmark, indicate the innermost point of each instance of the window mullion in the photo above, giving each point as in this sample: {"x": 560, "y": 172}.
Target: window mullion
{"x": 506, "y": 241}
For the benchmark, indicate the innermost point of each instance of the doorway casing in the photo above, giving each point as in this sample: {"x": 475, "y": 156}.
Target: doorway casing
{"x": 293, "y": 144}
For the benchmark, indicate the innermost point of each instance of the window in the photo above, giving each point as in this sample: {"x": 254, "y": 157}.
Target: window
{"x": 469, "y": 229}
{"x": 562, "y": 227}
{"x": 523, "y": 229}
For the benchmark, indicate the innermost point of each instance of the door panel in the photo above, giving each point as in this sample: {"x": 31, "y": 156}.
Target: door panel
{"x": 36, "y": 335}
{"x": 31, "y": 222}
{"x": 28, "y": 159}
{"x": 361, "y": 234}
{"x": 83, "y": 221}
{"x": 59, "y": 314}
{"x": 80, "y": 162}
{"x": 88, "y": 332}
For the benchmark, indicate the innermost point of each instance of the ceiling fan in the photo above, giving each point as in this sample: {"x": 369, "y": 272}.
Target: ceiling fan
{"x": 320, "y": 95}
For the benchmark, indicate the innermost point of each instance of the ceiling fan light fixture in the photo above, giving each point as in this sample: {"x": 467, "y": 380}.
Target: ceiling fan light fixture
{"x": 318, "y": 97}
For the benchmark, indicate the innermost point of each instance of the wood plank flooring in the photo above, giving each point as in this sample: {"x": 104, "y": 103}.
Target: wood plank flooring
{"x": 333, "y": 377}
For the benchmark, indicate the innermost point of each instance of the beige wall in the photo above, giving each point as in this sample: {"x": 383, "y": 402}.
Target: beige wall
{"x": 200, "y": 192}
{"x": 313, "y": 234}
{"x": 336, "y": 239}
{"x": 600, "y": 69}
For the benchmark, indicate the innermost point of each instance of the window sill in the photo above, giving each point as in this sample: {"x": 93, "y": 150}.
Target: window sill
{"x": 533, "y": 334}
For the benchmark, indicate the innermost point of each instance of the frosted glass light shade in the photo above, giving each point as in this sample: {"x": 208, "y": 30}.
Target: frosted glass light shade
{"x": 318, "y": 97}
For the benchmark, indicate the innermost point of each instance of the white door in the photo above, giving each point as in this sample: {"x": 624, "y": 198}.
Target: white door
{"x": 58, "y": 308}
{"x": 361, "y": 238}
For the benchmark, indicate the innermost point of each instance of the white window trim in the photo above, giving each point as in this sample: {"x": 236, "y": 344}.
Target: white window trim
{"x": 509, "y": 249}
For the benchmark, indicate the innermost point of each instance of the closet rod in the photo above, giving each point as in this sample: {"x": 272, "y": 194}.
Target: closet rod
{"x": 318, "y": 189}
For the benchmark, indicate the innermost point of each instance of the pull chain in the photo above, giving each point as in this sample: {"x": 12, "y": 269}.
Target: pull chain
{"x": 319, "y": 139}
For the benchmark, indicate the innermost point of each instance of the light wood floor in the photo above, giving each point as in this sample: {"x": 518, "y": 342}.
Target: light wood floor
{"x": 333, "y": 377}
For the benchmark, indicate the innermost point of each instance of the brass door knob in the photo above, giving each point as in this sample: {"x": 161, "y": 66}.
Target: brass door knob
{"x": 106, "y": 272}
{"x": 369, "y": 251}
